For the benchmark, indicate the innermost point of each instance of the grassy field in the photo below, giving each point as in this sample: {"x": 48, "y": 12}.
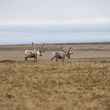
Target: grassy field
{"x": 82, "y": 84}
{"x": 55, "y": 86}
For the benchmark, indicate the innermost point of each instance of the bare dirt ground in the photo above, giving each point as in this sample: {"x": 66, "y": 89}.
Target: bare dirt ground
{"x": 83, "y": 84}
{"x": 80, "y": 51}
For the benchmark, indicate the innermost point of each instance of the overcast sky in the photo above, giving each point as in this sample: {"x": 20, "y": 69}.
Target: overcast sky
{"x": 26, "y": 19}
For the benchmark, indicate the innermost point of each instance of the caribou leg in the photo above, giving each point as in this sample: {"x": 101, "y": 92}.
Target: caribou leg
{"x": 56, "y": 59}
{"x": 26, "y": 58}
{"x": 52, "y": 58}
{"x": 35, "y": 59}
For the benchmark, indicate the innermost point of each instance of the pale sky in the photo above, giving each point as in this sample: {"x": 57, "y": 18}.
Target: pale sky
{"x": 25, "y": 20}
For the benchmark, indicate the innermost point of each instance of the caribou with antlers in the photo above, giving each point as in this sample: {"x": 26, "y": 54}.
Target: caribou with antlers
{"x": 62, "y": 54}
{"x": 32, "y": 53}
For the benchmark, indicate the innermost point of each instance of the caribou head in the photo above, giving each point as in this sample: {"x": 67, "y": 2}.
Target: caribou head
{"x": 39, "y": 52}
{"x": 68, "y": 52}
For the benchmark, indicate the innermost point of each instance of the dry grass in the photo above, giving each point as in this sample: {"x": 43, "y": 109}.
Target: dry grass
{"x": 78, "y": 86}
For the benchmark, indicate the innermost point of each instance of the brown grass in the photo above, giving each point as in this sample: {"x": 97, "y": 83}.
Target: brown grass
{"x": 78, "y": 86}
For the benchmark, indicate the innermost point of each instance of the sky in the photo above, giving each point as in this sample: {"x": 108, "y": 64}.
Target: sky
{"x": 25, "y": 21}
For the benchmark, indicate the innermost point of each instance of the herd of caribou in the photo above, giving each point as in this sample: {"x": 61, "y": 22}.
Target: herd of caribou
{"x": 56, "y": 55}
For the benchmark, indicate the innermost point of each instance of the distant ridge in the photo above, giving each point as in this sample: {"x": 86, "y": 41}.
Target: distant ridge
{"x": 75, "y": 43}
{"x": 79, "y": 43}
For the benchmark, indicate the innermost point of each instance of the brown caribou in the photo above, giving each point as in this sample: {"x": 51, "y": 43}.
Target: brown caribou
{"x": 62, "y": 55}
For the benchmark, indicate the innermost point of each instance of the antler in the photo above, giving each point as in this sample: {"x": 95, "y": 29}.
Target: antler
{"x": 32, "y": 45}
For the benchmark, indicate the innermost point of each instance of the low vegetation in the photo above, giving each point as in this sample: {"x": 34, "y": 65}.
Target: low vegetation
{"x": 78, "y": 86}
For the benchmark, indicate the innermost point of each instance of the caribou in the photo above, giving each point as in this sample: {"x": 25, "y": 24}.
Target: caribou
{"x": 62, "y": 55}
{"x": 33, "y": 53}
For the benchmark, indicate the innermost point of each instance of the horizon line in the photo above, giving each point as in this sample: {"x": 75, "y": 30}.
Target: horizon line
{"x": 29, "y": 43}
